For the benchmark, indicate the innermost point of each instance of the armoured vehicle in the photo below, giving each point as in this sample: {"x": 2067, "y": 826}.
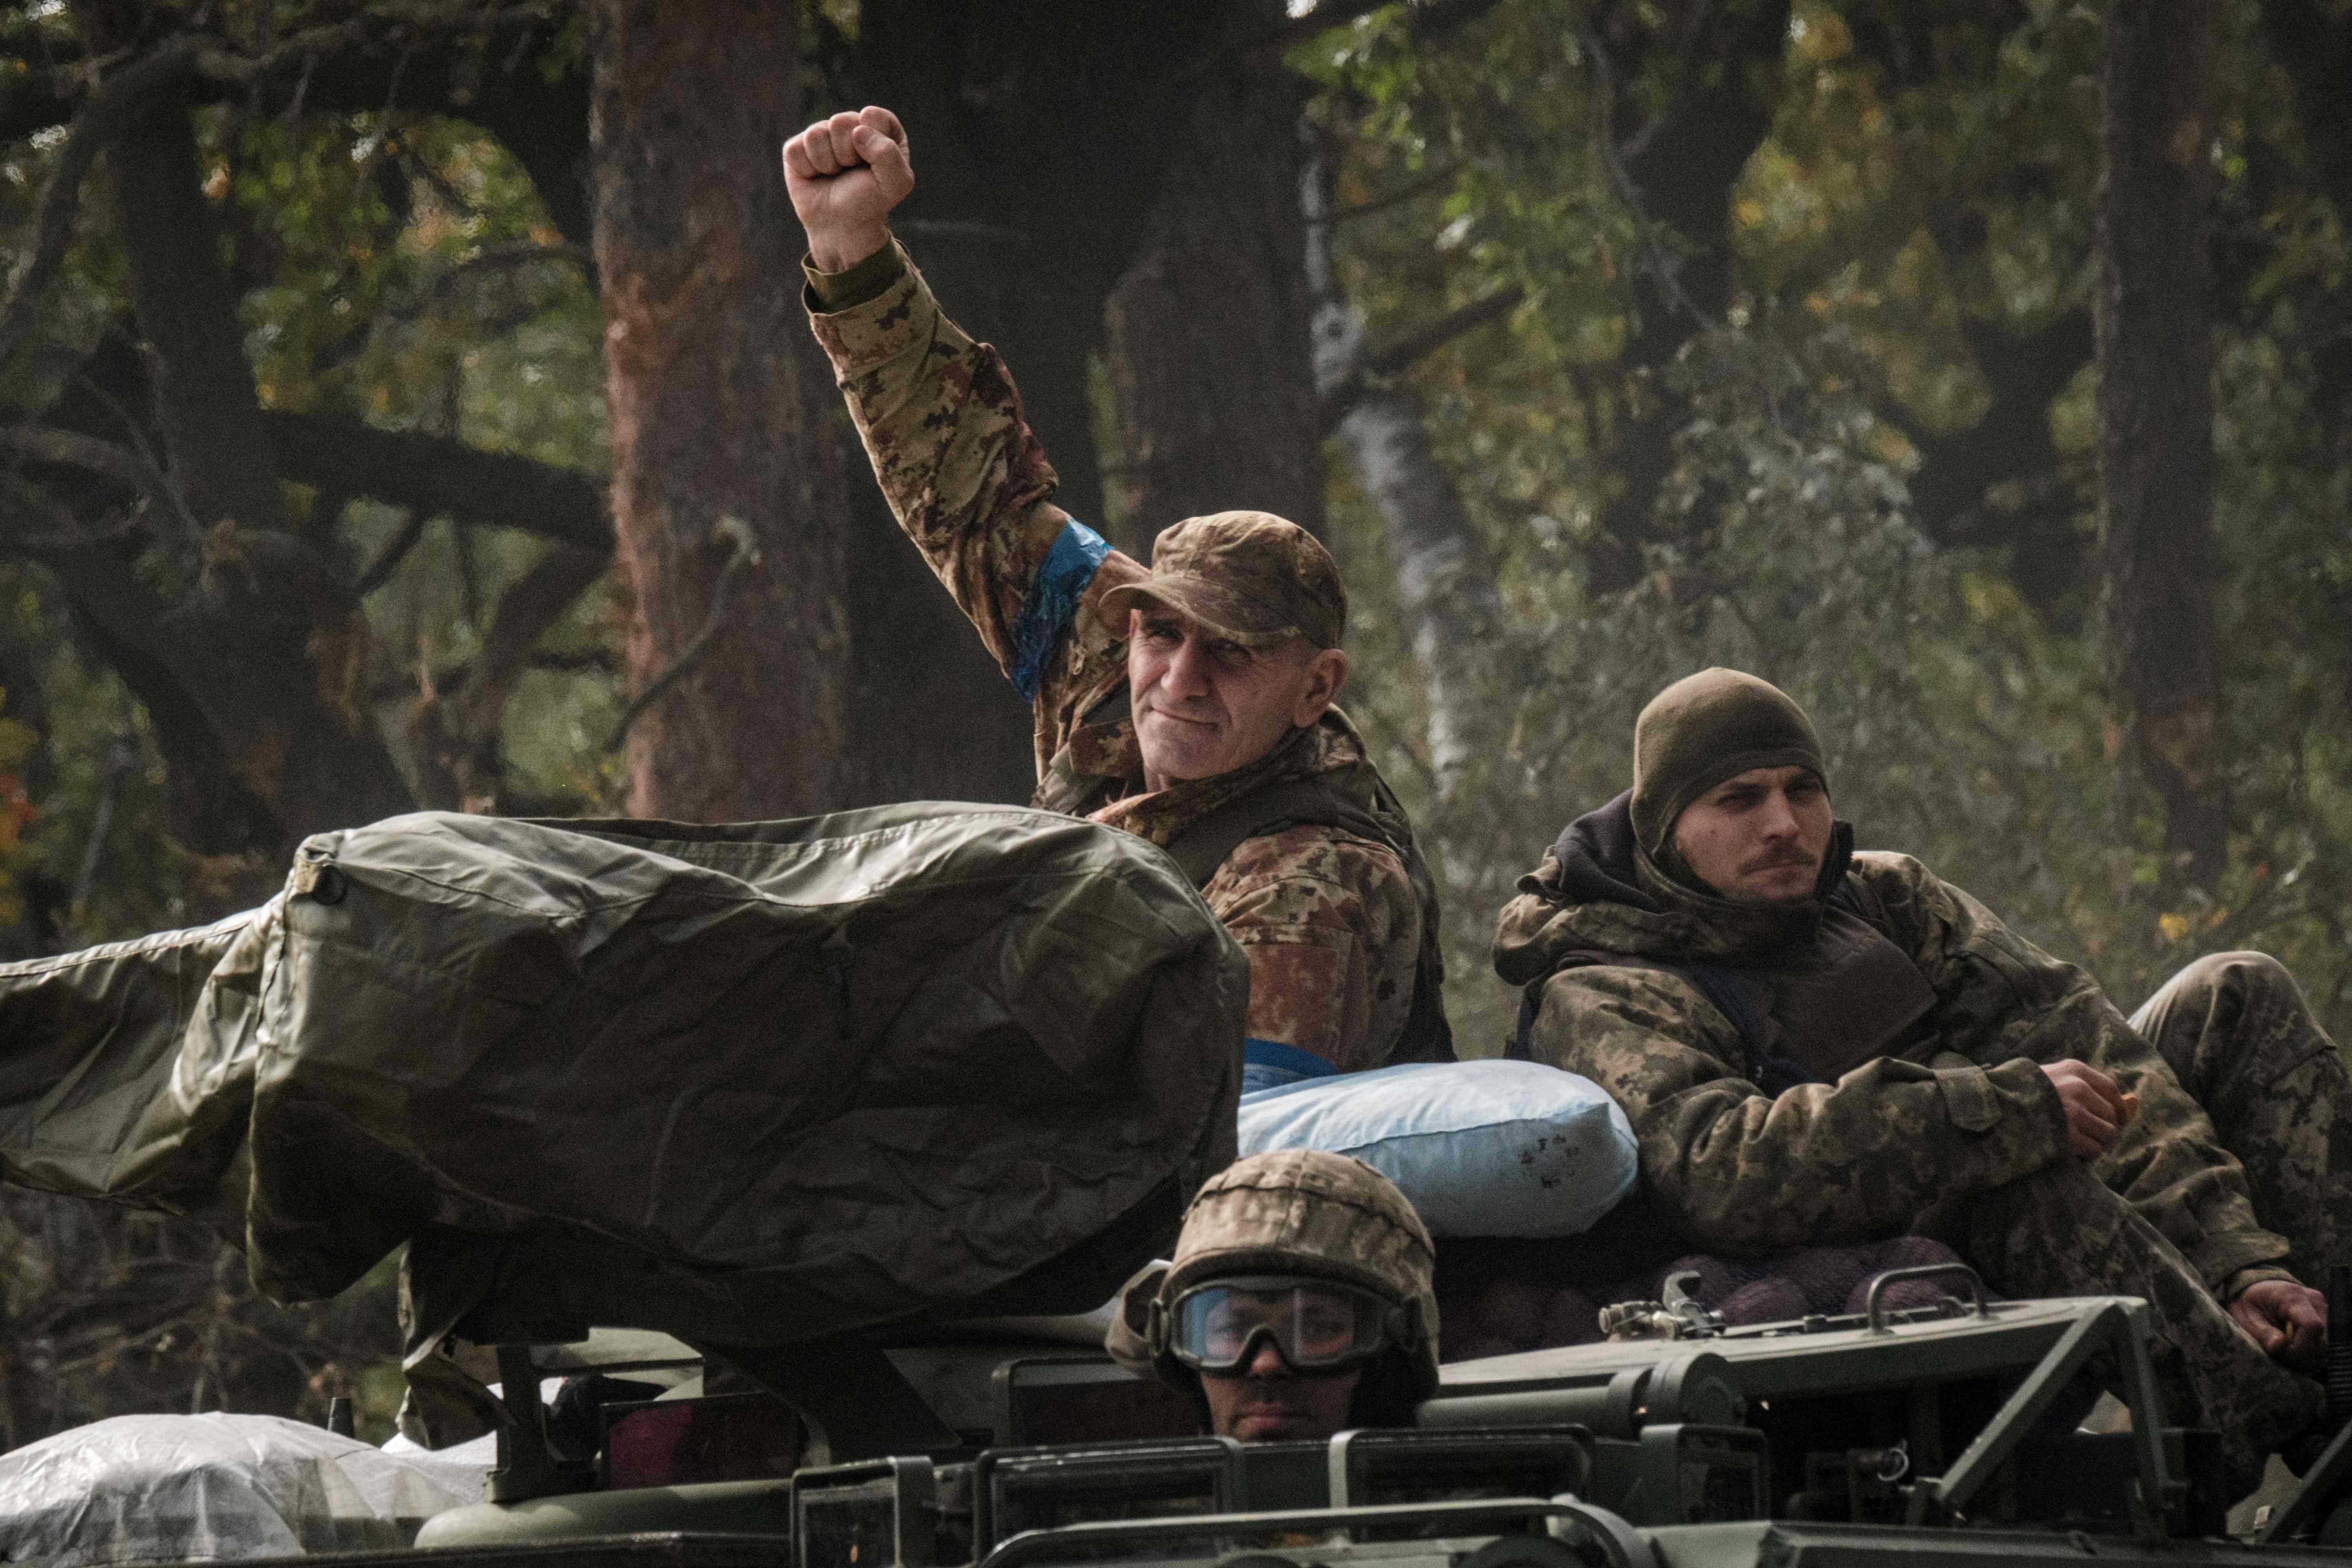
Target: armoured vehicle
{"x": 1934, "y": 1435}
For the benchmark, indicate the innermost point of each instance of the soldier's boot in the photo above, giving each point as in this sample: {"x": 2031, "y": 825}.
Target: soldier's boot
{"x": 2060, "y": 1232}
{"x": 2238, "y": 1034}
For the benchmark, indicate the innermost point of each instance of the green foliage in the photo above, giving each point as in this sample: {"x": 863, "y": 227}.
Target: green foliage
{"x": 1963, "y": 726}
{"x": 393, "y": 265}
{"x": 111, "y": 1311}
{"x": 101, "y": 789}
{"x": 397, "y": 267}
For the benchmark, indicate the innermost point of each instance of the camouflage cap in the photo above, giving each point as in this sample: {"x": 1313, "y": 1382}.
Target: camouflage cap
{"x": 1247, "y": 575}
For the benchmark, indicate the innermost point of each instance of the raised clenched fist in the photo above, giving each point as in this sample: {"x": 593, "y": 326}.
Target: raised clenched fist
{"x": 844, "y": 174}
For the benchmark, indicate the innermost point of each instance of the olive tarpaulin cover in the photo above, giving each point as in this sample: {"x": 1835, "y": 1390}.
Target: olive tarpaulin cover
{"x": 752, "y": 1085}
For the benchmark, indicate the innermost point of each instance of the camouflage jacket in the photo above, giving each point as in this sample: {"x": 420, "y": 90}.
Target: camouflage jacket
{"x": 1330, "y": 921}
{"x": 1952, "y": 1102}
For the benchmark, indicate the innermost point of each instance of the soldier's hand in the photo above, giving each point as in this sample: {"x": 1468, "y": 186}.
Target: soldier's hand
{"x": 2288, "y": 1320}
{"x": 2095, "y": 1107}
{"x": 845, "y": 176}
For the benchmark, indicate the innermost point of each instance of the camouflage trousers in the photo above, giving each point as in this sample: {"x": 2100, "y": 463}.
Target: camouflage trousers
{"x": 2060, "y": 1232}
{"x": 2239, "y": 1035}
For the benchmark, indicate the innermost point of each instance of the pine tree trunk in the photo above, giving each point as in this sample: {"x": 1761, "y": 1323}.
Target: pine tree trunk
{"x": 1205, "y": 337}
{"x": 1041, "y": 138}
{"x": 727, "y": 495}
{"x": 2154, "y": 318}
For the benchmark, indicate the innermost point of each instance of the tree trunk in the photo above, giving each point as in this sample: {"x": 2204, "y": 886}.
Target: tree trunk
{"x": 1442, "y": 580}
{"x": 983, "y": 225}
{"x": 1445, "y": 586}
{"x": 1205, "y": 337}
{"x": 255, "y": 675}
{"x": 2154, "y": 314}
{"x": 1690, "y": 154}
{"x": 211, "y": 416}
{"x": 1039, "y": 133}
{"x": 710, "y": 378}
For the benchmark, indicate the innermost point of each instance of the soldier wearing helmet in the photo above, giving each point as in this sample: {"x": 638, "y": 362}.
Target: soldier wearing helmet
{"x": 1299, "y": 1303}
{"x": 1190, "y": 703}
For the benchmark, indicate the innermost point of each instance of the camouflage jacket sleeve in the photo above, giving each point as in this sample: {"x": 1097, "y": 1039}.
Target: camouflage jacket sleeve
{"x": 1332, "y": 928}
{"x": 969, "y": 482}
{"x": 2001, "y": 998}
{"x": 1741, "y": 1172}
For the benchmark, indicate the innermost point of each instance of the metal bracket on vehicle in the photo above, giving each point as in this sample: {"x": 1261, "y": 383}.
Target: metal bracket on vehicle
{"x": 1696, "y": 1321}
{"x": 2111, "y": 1325}
{"x": 857, "y": 1405}
{"x": 903, "y": 1491}
{"x": 2327, "y": 1478}
{"x": 527, "y": 1467}
{"x": 1679, "y": 1316}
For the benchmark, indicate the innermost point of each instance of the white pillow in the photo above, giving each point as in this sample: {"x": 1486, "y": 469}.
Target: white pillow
{"x": 1482, "y": 1148}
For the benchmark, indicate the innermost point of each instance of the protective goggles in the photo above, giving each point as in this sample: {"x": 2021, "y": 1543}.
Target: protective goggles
{"x": 1315, "y": 1325}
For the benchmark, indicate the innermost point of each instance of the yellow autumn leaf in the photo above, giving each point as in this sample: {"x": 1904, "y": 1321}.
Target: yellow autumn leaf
{"x": 2173, "y": 926}
{"x": 18, "y": 740}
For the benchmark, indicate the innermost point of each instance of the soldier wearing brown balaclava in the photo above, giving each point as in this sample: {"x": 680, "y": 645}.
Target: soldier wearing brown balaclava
{"x": 1819, "y": 1046}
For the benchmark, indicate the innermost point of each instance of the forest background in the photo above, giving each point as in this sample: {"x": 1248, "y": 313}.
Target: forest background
{"x": 406, "y": 404}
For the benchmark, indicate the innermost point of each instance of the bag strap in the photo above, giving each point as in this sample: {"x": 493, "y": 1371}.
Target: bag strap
{"x": 1731, "y": 996}
{"x": 1733, "y": 1001}
{"x": 1204, "y": 845}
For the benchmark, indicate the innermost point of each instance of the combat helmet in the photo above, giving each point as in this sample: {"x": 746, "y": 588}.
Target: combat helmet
{"x": 1298, "y": 1212}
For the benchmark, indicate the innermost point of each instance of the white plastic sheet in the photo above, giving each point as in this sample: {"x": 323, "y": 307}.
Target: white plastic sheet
{"x": 1481, "y": 1148}
{"x": 149, "y": 1488}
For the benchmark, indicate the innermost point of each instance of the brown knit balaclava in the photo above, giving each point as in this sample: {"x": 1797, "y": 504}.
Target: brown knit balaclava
{"x": 1706, "y": 728}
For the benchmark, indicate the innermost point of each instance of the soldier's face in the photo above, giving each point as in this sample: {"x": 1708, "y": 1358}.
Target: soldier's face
{"x": 1759, "y": 837}
{"x": 1205, "y": 705}
{"x": 1272, "y": 1403}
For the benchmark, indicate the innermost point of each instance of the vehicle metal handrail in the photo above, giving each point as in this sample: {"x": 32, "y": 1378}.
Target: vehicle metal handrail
{"x": 1877, "y": 1320}
{"x": 1624, "y": 1546}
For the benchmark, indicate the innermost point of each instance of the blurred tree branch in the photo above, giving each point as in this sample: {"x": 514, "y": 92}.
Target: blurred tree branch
{"x": 1374, "y": 365}
{"x": 126, "y": 96}
{"x": 424, "y": 58}
{"x": 440, "y": 474}
{"x": 457, "y": 738}
{"x": 130, "y": 468}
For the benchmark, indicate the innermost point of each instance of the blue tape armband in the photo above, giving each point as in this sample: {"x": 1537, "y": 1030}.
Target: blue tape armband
{"x": 1053, "y": 601}
{"x": 1270, "y": 1064}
